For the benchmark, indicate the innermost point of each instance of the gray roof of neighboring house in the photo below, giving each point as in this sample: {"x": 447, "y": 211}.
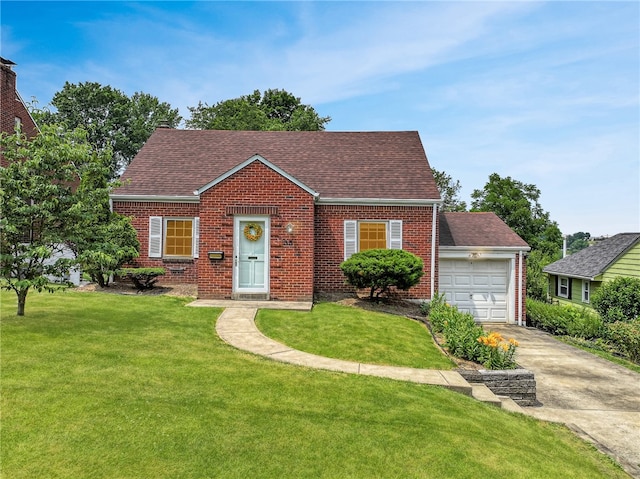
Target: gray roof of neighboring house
{"x": 477, "y": 229}
{"x": 380, "y": 165}
{"x": 594, "y": 260}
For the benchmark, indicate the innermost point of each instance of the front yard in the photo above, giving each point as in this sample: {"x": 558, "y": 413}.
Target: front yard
{"x": 106, "y": 386}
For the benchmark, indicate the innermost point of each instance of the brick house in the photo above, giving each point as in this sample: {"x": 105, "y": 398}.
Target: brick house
{"x": 13, "y": 111}
{"x": 253, "y": 214}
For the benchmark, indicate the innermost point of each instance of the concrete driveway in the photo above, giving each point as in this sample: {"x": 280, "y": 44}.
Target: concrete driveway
{"x": 596, "y": 398}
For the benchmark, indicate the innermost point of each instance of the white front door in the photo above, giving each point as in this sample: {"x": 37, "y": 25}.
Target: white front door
{"x": 251, "y": 255}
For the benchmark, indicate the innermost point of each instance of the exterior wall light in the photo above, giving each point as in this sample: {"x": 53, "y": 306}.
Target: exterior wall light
{"x": 289, "y": 228}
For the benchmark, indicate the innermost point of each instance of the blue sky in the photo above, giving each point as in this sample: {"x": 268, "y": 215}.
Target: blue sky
{"x": 544, "y": 92}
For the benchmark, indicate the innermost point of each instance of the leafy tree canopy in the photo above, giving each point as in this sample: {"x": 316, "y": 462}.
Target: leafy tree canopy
{"x": 272, "y": 111}
{"x": 577, "y": 241}
{"x": 40, "y": 204}
{"x": 517, "y": 204}
{"x": 55, "y": 197}
{"x": 449, "y": 191}
{"x": 112, "y": 120}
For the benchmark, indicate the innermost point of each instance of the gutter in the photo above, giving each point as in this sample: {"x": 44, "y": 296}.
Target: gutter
{"x": 156, "y": 198}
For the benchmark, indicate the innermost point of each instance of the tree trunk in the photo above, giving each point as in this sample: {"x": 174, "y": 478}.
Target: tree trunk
{"x": 22, "y": 299}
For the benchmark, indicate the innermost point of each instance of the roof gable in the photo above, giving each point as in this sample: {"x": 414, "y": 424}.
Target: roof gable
{"x": 246, "y": 163}
{"x": 335, "y": 165}
{"x": 478, "y": 229}
{"x": 594, "y": 260}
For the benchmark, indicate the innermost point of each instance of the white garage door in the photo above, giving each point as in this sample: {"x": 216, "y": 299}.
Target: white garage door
{"x": 477, "y": 287}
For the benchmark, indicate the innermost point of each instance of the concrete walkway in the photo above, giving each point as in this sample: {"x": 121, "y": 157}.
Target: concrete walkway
{"x": 596, "y": 398}
{"x": 599, "y": 400}
{"x": 236, "y": 326}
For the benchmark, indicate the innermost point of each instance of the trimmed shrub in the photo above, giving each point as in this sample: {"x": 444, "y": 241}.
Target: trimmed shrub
{"x": 143, "y": 278}
{"x": 618, "y": 300}
{"x": 625, "y": 337}
{"x": 381, "y": 269}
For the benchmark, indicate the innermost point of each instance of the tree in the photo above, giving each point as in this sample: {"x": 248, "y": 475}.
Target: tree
{"x": 114, "y": 244}
{"x": 274, "y": 110}
{"x": 381, "y": 269}
{"x": 39, "y": 205}
{"x": 112, "y": 120}
{"x": 450, "y": 191}
{"x": 517, "y": 204}
{"x": 577, "y": 242}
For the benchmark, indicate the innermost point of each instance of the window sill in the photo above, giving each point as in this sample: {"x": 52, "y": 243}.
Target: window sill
{"x": 177, "y": 260}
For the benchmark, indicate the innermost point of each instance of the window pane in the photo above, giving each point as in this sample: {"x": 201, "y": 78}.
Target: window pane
{"x": 372, "y": 236}
{"x": 179, "y": 238}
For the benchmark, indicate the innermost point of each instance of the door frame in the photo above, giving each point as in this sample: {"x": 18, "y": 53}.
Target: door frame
{"x": 266, "y": 234}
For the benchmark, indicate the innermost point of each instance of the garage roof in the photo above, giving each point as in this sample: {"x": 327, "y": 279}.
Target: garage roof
{"x": 479, "y": 229}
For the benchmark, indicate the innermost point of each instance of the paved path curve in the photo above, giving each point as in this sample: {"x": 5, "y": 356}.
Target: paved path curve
{"x": 236, "y": 326}
{"x": 597, "y": 398}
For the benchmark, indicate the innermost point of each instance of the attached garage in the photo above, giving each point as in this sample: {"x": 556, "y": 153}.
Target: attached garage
{"x": 482, "y": 267}
{"x": 479, "y": 287}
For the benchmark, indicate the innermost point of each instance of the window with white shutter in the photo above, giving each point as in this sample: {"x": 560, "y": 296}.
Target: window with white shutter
{"x": 365, "y": 235}
{"x": 155, "y": 237}
{"x": 350, "y": 238}
{"x": 395, "y": 234}
{"x": 196, "y": 237}
{"x": 174, "y": 237}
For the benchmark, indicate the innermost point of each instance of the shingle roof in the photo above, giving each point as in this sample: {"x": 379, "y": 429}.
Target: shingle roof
{"x": 381, "y": 165}
{"x": 480, "y": 229}
{"x": 594, "y": 260}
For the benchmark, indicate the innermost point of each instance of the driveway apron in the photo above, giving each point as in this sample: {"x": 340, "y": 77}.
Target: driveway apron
{"x": 596, "y": 398}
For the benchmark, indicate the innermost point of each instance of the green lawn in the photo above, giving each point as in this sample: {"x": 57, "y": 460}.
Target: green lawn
{"x": 354, "y": 334}
{"x": 108, "y": 386}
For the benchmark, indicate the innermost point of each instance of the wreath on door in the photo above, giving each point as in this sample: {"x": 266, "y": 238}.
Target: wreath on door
{"x": 253, "y": 231}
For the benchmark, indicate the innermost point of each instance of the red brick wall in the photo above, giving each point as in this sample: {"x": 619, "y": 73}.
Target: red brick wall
{"x": 521, "y": 304}
{"x": 329, "y": 240}
{"x": 11, "y": 107}
{"x": 316, "y": 243}
{"x": 178, "y": 270}
{"x": 257, "y": 186}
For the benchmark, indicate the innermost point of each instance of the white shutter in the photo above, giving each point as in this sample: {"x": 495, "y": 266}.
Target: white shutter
{"x": 395, "y": 234}
{"x": 350, "y": 238}
{"x": 155, "y": 236}
{"x": 196, "y": 237}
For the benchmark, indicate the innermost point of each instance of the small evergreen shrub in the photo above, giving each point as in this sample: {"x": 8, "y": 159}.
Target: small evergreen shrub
{"x": 381, "y": 269}
{"x": 142, "y": 278}
{"x": 618, "y": 300}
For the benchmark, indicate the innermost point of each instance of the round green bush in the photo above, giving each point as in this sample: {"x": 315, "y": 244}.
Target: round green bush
{"x": 381, "y": 269}
{"x": 618, "y": 300}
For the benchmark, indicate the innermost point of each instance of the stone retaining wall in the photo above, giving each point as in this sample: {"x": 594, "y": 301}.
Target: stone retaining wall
{"x": 518, "y": 384}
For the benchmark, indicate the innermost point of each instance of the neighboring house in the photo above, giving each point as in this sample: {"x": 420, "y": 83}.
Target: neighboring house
{"x": 576, "y": 277}
{"x": 271, "y": 215}
{"x": 14, "y": 114}
{"x": 482, "y": 267}
{"x": 13, "y": 111}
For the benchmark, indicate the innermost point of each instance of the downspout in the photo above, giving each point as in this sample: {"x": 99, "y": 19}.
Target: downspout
{"x": 520, "y": 257}
{"x": 433, "y": 248}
